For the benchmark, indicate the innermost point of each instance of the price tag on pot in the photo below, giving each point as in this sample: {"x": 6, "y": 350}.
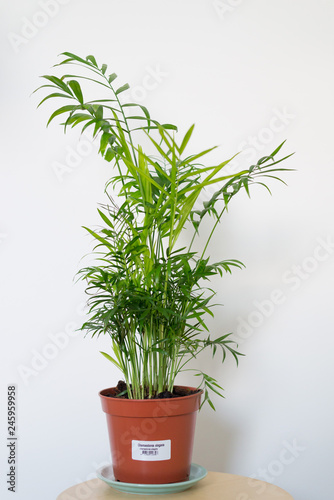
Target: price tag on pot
{"x": 150, "y": 451}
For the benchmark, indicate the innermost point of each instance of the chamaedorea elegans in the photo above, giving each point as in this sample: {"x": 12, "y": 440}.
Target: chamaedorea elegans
{"x": 146, "y": 291}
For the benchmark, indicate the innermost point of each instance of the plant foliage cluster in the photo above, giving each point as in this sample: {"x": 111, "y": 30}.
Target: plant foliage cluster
{"x": 145, "y": 291}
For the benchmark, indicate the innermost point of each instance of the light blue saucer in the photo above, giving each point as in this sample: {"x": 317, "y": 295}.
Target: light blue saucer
{"x": 197, "y": 472}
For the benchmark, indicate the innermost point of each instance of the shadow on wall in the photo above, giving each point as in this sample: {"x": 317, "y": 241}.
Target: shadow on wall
{"x": 214, "y": 442}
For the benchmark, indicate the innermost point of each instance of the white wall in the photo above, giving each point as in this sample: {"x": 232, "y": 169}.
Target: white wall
{"x": 231, "y": 66}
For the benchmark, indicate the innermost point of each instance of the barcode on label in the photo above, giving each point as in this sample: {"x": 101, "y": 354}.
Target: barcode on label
{"x": 149, "y": 452}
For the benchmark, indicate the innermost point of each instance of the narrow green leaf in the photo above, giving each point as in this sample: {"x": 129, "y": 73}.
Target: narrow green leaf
{"x": 186, "y": 139}
{"x": 214, "y": 390}
{"x": 77, "y": 118}
{"x": 105, "y": 218}
{"x": 75, "y": 86}
{"x": 110, "y": 154}
{"x": 57, "y": 81}
{"x": 81, "y": 77}
{"x": 112, "y": 77}
{"x": 192, "y": 158}
{"x": 104, "y": 141}
{"x": 211, "y": 404}
{"x": 87, "y": 125}
{"x": 55, "y": 94}
{"x": 74, "y": 57}
{"x": 169, "y": 126}
{"x": 59, "y": 111}
{"x": 99, "y": 113}
{"x": 107, "y": 356}
{"x": 92, "y": 60}
{"x": 278, "y": 148}
{"x": 98, "y": 237}
{"x": 124, "y": 87}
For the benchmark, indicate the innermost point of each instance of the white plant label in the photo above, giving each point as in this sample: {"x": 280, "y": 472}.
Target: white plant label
{"x": 151, "y": 451}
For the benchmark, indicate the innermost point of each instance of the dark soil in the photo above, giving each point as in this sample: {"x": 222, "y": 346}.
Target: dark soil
{"x": 178, "y": 391}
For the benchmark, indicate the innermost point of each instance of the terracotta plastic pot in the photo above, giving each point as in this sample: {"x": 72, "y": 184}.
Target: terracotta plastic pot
{"x": 151, "y": 440}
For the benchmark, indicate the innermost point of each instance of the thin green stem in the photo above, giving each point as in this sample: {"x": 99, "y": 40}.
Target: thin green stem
{"x": 212, "y": 231}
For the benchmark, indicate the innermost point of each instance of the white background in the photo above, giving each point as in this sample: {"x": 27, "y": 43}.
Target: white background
{"x": 231, "y": 67}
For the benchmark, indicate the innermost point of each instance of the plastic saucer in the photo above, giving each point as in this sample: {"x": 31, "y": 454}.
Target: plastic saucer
{"x": 197, "y": 472}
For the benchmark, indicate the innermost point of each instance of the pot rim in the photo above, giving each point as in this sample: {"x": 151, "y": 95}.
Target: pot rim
{"x": 151, "y": 401}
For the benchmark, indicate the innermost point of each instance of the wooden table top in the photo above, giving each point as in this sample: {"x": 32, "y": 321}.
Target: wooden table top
{"x": 214, "y": 486}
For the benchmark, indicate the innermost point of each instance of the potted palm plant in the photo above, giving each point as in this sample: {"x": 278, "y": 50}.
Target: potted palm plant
{"x": 147, "y": 290}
